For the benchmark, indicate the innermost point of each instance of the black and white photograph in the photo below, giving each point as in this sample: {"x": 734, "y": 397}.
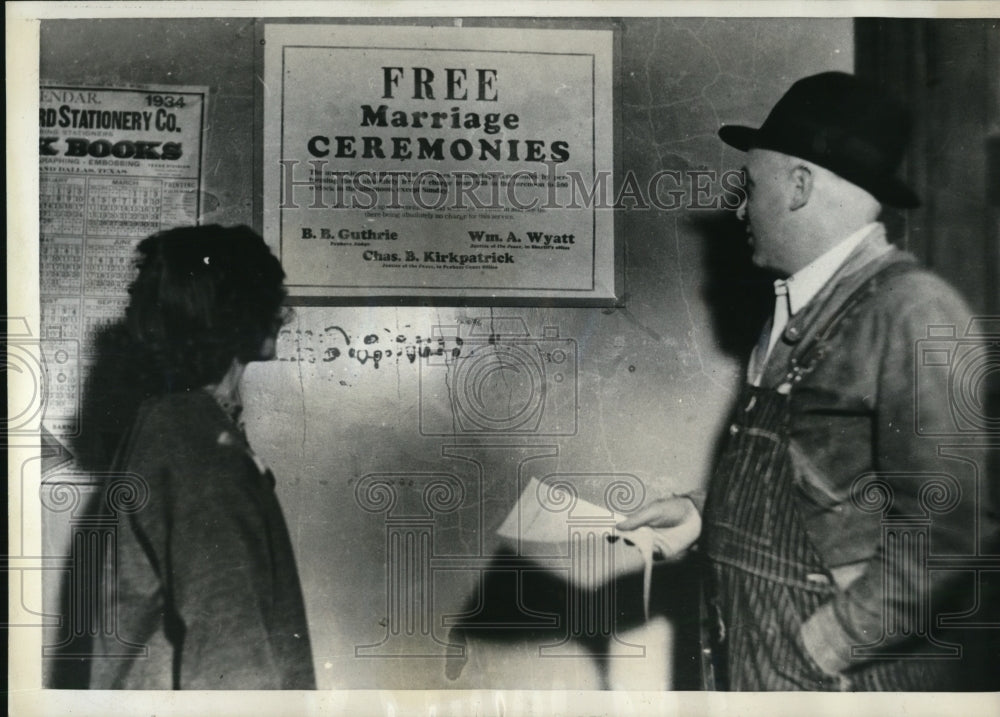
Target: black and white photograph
{"x": 526, "y": 359}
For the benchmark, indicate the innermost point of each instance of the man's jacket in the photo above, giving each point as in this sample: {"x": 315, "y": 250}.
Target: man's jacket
{"x": 866, "y": 430}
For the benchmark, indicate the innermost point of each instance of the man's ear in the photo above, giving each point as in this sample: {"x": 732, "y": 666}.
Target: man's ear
{"x": 802, "y": 185}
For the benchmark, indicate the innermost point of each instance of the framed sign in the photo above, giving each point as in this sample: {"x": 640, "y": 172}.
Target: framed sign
{"x": 438, "y": 164}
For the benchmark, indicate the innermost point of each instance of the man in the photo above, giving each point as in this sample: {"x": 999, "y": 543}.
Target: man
{"x": 823, "y": 444}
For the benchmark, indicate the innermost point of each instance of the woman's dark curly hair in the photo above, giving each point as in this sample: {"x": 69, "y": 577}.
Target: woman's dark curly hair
{"x": 204, "y": 295}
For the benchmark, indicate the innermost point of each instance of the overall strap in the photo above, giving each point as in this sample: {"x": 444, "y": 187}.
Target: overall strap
{"x": 812, "y": 348}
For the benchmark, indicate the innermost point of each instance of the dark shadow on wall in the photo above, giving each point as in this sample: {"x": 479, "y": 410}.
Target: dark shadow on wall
{"x": 116, "y": 385}
{"x": 525, "y": 604}
{"x": 739, "y": 296}
{"x": 529, "y": 606}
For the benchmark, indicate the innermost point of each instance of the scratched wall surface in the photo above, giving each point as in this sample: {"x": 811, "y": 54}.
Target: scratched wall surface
{"x": 363, "y": 402}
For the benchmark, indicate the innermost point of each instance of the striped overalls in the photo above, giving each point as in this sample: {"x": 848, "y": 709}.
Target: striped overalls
{"x": 766, "y": 576}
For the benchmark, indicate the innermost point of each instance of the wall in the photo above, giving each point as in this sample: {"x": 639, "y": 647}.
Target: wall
{"x": 653, "y": 379}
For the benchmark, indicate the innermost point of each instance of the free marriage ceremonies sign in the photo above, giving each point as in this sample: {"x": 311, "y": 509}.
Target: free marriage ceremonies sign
{"x": 447, "y": 164}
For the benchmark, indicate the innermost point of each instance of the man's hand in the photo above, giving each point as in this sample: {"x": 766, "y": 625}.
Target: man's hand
{"x": 676, "y": 524}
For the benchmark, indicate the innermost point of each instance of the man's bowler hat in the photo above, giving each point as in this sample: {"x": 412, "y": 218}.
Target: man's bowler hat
{"x": 843, "y": 124}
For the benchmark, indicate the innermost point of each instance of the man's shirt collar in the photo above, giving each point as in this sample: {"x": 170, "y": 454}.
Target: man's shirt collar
{"x": 804, "y": 284}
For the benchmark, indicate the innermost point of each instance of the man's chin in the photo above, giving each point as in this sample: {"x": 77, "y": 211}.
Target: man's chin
{"x": 762, "y": 263}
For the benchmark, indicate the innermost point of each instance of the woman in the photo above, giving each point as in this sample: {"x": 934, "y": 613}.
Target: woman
{"x": 204, "y": 573}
